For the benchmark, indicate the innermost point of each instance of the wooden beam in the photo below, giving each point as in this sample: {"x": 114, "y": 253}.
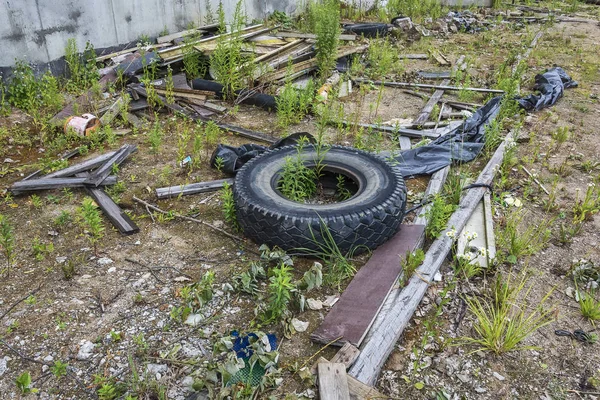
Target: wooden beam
{"x": 249, "y": 134}
{"x": 409, "y": 133}
{"x": 333, "y": 384}
{"x": 97, "y": 177}
{"x": 173, "y": 36}
{"x": 192, "y": 188}
{"x": 357, "y": 389}
{"x": 390, "y": 324}
{"x": 346, "y": 355}
{"x": 81, "y": 167}
{"x": 54, "y": 183}
{"x": 176, "y": 51}
{"x": 405, "y": 143}
{"x": 129, "y": 50}
{"x": 300, "y": 35}
{"x": 436, "y": 97}
{"x": 435, "y": 186}
{"x": 426, "y": 86}
{"x": 112, "y": 112}
{"x": 113, "y": 212}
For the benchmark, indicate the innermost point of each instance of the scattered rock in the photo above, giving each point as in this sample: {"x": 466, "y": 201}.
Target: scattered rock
{"x": 86, "y": 349}
{"x": 498, "y": 376}
{"x": 156, "y": 370}
{"x": 111, "y": 270}
{"x": 480, "y": 390}
{"x": 48, "y": 358}
{"x": 464, "y": 378}
{"x": 194, "y": 319}
{"x": 437, "y": 277}
{"x": 299, "y": 326}
{"x": 61, "y": 260}
{"x": 104, "y": 261}
{"x": 3, "y": 365}
{"x": 314, "y": 304}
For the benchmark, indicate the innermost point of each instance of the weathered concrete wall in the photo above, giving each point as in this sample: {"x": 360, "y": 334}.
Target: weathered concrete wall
{"x": 37, "y": 30}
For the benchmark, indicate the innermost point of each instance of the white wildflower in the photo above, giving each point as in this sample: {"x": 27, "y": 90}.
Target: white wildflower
{"x": 451, "y": 233}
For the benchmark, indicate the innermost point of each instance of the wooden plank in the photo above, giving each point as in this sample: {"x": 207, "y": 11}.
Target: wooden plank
{"x": 308, "y": 64}
{"x": 357, "y": 389}
{"x": 278, "y": 50}
{"x": 214, "y": 107}
{"x": 405, "y": 143}
{"x": 300, "y": 35}
{"x": 490, "y": 236}
{"x": 435, "y": 98}
{"x": 333, "y": 384}
{"x": 130, "y": 50}
{"x": 355, "y": 311}
{"x": 426, "y": 86}
{"x": 436, "y": 183}
{"x": 81, "y": 167}
{"x": 113, "y": 212}
{"x": 435, "y": 75}
{"x": 112, "y": 112}
{"x": 409, "y": 133}
{"x": 54, "y": 183}
{"x": 175, "y": 51}
{"x": 192, "y": 188}
{"x": 133, "y": 120}
{"x": 97, "y": 177}
{"x": 346, "y": 355}
{"x": 188, "y": 32}
{"x": 390, "y": 324}
{"x": 475, "y": 224}
{"x": 249, "y": 134}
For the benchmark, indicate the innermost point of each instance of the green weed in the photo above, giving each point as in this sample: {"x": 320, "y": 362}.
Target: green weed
{"x": 411, "y": 262}
{"x": 327, "y": 28}
{"x": 40, "y": 249}
{"x": 7, "y": 242}
{"x": 503, "y": 319}
{"x": 517, "y": 241}
{"x": 437, "y": 216}
{"x": 92, "y": 222}
{"x": 229, "y": 209}
{"x": 584, "y": 208}
{"x": 381, "y": 57}
{"x": 83, "y": 72}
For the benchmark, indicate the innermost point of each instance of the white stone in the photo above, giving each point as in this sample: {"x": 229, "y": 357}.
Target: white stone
{"x": 111, "y": 270}
{"x": 86, "y": 349}
{"x": 299, "y": 326}
{"x": 156, "y": 370}
{"x": 3, "y": 365}
{"x": 194, "y": 319}
{"x": 314, "y": 304}
{"x": 104, "y": 261}
{"x": 498, "y": 376}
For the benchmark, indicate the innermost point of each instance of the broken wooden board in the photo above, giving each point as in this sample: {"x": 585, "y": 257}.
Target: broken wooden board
{"x": 113, "y": 212}
{"x": 174, "y": 52}
{"x": 54, "y": 183}
{"x": 300, "y": 35}
{"x": 188, "y": 32}
{"x": 192, "y": 188}
{"x": 481, "y": 223}
{"x": 333, "y": 383}
{"x": 112, "y": 112}
{"x": 97, "y": 177}
{"x": 357, "y": 389}
{"x": 249, "y": 134}
{"x": 434, "y": 187}
{"x": 82, "y": 166}
{"x": 409, "y": 133}
{"x": 404, "y": 143}
{"x": 351, "y": 317}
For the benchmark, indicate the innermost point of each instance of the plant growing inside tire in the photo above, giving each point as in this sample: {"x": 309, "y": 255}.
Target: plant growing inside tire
{"x": 368, "y": 216}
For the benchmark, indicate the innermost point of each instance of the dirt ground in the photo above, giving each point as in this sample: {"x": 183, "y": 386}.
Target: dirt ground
{"x": 127, "y": 290}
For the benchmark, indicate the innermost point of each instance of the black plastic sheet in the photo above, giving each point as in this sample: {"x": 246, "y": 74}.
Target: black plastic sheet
{"x": 464, "y": 143}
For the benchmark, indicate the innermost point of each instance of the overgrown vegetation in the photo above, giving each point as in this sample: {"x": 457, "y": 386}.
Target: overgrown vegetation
{"x": 230, "y": 67}
{"x": 325, "y": 20}
{"x": 297, "y": 182}
{"x": 83, "y": 72}
{"x": 91, "y": 222}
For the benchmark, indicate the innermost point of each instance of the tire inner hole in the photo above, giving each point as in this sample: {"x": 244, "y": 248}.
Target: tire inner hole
{"x": 334, "y": 185}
